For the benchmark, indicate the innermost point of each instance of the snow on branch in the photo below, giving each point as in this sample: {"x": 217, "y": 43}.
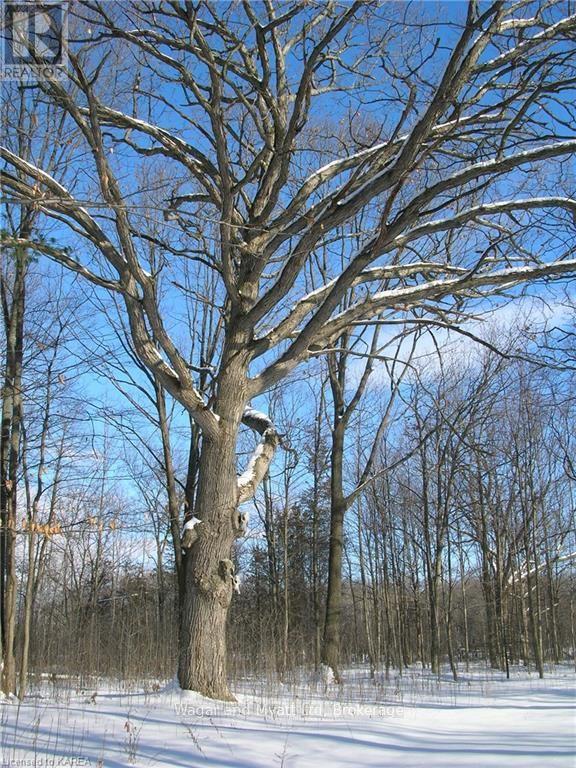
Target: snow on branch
{"x": 254, "y": 473}
{"x": 526, "y": 571}
{"x": 405, "y": 297}
{"x": 562, "y": 27}
{"x": 312, "y": 300}
{"x": 437, "y": 289}
{"x": 484, "y": 209}
{"x": 257, "y": 420}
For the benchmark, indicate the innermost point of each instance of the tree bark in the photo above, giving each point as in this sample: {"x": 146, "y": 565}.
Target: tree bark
{"x": 9, "y": 465}
{"x": 208, "y": 575}
{"x": 331, "y": 641}
{"x": 208, "y": 569}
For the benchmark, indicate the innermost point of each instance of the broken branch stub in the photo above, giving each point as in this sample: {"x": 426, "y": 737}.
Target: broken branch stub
{"x": 260, "y": 460}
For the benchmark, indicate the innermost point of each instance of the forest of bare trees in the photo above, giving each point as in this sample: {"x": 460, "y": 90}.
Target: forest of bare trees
{"x": 460, "y": 551}
{"x": 315, "y": 223}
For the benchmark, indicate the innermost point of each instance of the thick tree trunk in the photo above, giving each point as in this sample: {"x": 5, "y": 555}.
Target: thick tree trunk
{"x": 208, "y": 575}
{"x": 208, "y": 569}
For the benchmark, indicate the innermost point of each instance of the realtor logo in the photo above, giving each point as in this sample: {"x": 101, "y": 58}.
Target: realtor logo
{"x": 34, "y": 36}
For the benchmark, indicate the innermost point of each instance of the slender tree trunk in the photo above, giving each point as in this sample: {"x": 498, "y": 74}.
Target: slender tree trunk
{"x": 5, "y": 506}
{"x": 27, "y": 624}
{"x": 273, "y": 571}
{"x": 286, "y": 593}
{"x": 525, "y": 629}
{"x": 573, "y": 627}
{"x": 464, "y": 599}
{"x": 552, "y": 598}
{"x": 331, "y": 640}
{"x": 433, "y": 589}
{"x": 534, "y": 615}
{"x": 9, "y": 464}
{"x": 315, "y": 535}
{"x": 448, "y": 615}
{"x": 365, "y": 602}
{"x": 170, "y": 477}
{"x": 355, "y": 609}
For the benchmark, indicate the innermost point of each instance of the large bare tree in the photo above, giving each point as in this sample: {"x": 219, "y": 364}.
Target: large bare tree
{"x": 271, "y": 126}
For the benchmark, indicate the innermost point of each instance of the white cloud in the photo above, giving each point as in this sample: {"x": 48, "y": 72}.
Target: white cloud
{"x": 536, "y": 313}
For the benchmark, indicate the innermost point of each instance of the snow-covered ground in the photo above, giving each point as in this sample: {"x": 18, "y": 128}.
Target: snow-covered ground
{"x": 411, "y": 721}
